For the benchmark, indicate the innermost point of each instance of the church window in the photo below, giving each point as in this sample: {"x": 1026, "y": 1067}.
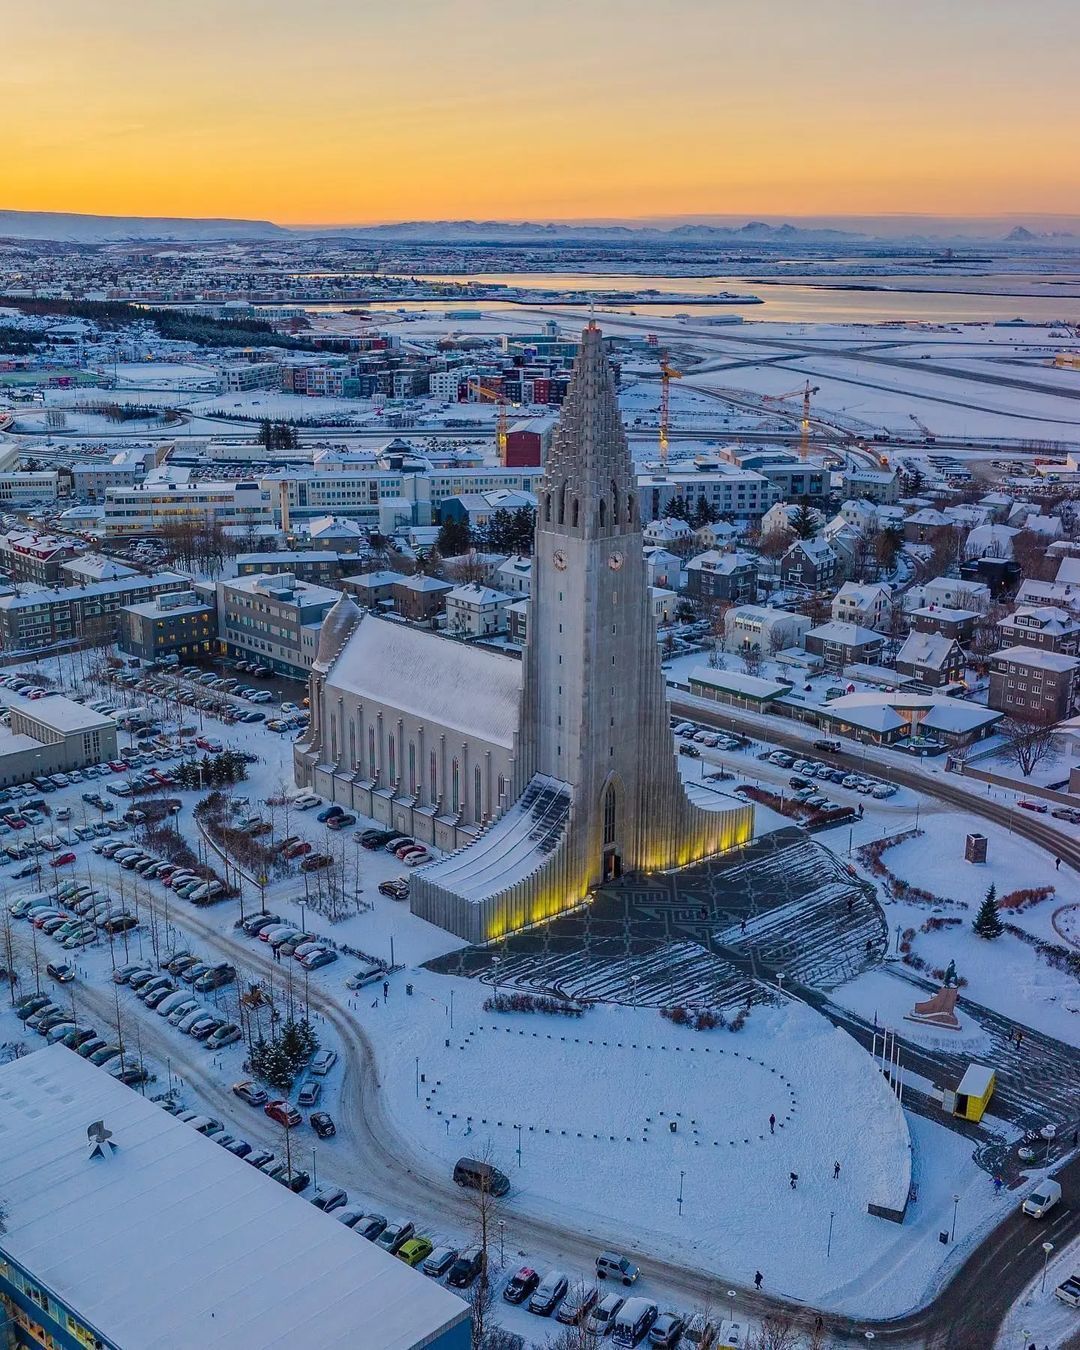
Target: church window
{"x": 609, "y": 815}
{"x": 392, "y": 746}
{"x": 352, "y": 745}
{"x": 433, "y": 775}
{"x": 372, "y": 773}
{"x": 547, "y": 506}
{"x": 630, "y": 507}
{"x": 412, "y": 769}
{"x": 333, "y": 736}
{"x": 574, "y": 519}
{"x": 476, "y": 793}
{"x": 502, "y": 790}
{"x": 455, "y": 785}
{"x": 603, "y": 513}
{"x": 614, "y": 503}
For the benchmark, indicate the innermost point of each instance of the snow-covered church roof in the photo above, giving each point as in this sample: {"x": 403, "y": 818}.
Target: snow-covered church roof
{"x": 471, "y": 690}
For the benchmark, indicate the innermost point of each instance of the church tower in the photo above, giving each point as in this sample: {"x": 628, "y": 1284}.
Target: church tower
{"x": 594, "y": 711}
{"x": 597, "y": 790}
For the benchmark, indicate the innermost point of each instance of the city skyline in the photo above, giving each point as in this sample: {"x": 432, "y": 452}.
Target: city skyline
{"x": 345, "y": 114}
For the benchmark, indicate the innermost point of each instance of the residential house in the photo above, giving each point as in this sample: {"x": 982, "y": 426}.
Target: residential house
{"x": 717, "y": 534}
{"x": 373, "y": 590}
{"x": 476, "y": 611}
{"x": 514, "y": 576}
{"x": 731, "y": 577}
{"x": 930, "y": 659}
{"x": 810, "y": 563}
{"x": 844, "y": 644}
{"x": 990, "y": 541}
{"x": 757, "y": 628}
{"x": 780, "y": 517}
{"x": 950, "y": 593}
{"x": 1034, "y": 685}
{"x": 669, "y": 532}
{"x": 420, "y": 598}
{"x": 868, "y": 604}
{"x": 663, "y": 568}
{"x": 951, "y": 623}
{"x": 921, "y": 526}
{"x": 1060, "y": 594}
{"x": 1044, "y": 626}
{"x": 28, "y": 556}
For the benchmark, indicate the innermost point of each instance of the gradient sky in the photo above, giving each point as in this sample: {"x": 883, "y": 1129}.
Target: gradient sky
{"x": 323, "y": 111}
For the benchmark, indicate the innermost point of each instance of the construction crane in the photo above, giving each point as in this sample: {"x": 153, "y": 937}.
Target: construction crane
{"x": 667, "y": 374}
{"x": 805, "y": 394}
{"x": 502, "y": 421}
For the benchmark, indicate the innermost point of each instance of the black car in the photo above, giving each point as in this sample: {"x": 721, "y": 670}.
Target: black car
{"x": 299, "y": 1181}
{"x": 689, "y": 750}
{"x": 522, "y": 1283}
{"x": 376, "y": 838}
{"x": 60, "y": 970}
{"x": 322, "y": 1124}
{"x": 466, "y": 1268}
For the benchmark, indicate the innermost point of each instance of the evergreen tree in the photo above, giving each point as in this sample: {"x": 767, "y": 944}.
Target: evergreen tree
{"x": 988, "y": 922}
{"x": 677, "y": 509}
{"x": 454, "y": 538}
{"x": 803, "y": 523}
{"x": 266, "y": 433}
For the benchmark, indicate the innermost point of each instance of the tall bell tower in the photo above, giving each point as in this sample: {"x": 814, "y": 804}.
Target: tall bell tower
{"x": 595, "y": 712}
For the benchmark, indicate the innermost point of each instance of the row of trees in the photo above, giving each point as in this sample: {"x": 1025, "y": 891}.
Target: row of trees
{"x": 505, "y": 532}
{"x": 278, "y": 1060}
{"x": 278, "y": 435}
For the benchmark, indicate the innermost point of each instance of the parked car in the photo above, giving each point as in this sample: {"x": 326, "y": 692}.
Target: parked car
{"x": 329, "y": 1198}
{"x": 666, "y": 1332}
{"x": 1025, "y": 804}
{"x": 414, "y": 1251}
{"x": 610, "y": 1265}
{"x": 284, "y": 1113}
{"x": 308, "y": 1094}
{"x": 394, "y": 1235}
{"x": 577, "y": 1304}
{"x": 549, "y": 1293}
{"x": 322, "y": 1124}
{"x": 466, "y": 1268}
{"x": 322, "y": 1062}
{"x": 521, "y": 1285}
{"x": 439, "y": 1261}
{"x": 370, "y": 1226}
{"x": 251, "y": 1093}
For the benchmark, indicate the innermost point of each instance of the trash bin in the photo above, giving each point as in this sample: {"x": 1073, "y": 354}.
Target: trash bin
{"x": 408, "y": 989}
{"x": 673, "y": 1126}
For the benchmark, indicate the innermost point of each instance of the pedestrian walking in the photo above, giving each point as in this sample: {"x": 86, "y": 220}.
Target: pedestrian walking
{"x": 836, "y": 1171}
{"x": 850, "y": 904}
{"x": 758, "y": 1277}
{"x": 1076, "y": 1138}
{"x": 793, "y": 1180}
{"x": 742, "y": 926}
{"x": 772, "y": 1124}
{"x": 385, "y": 990}
{"x": 1019, "y": 1039}
{"x": 1057, "y": 864}
{"x": 861, "y": 809}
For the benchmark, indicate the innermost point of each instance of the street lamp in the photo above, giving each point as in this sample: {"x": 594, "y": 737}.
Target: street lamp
{"x": 502, "y": 1242}
{"x": 1047, "y": 1247}
{"x": 731, "y": 1304}
{"x": 955, "y": 1205}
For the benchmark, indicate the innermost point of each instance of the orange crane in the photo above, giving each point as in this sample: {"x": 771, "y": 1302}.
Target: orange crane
{"x": 667, "y": 374}
{"x": 804, "y": 426}
{"x": 502, "y": 421}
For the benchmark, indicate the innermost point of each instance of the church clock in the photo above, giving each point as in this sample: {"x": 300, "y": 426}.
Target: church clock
{"x": 559, "y": 559}
{"x": 615, "y": 561}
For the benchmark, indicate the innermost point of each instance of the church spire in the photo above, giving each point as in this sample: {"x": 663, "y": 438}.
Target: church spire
{"x": 589, "y": 484}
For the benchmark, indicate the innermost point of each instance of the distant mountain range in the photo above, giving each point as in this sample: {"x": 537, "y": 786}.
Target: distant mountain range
{"x": 927, "y": 231}
{"x": 71, "y": 228}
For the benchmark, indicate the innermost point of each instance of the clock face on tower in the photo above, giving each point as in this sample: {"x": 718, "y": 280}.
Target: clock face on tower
{"x": 615, "y": 561}
{"x": 559, "y": 559}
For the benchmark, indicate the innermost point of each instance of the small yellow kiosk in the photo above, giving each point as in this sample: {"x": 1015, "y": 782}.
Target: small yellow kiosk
{"x": 970, "y": 1098}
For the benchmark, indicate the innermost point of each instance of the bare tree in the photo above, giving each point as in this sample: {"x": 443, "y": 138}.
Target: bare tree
{"x": 776, "y": 1332}
{"x": 484, "y": 1204}
{"x": 775, "y": 544}
{"x": 1029, "y": 744}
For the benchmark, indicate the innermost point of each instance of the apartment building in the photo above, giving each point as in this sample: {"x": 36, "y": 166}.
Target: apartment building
{"x": 274, "y": 619}
{"x": 18, "y": 487}
{"x": 1044, "y": 626}
{"x": 869, "y": 604}
{"x": 741, "y": 494}
{"x": 28, "y": 556}
{"x": 476, "y": 611}
{"x": 88, "y": 614}
{"x": 179, "y": 623}
{"x": 1034, "y": 685}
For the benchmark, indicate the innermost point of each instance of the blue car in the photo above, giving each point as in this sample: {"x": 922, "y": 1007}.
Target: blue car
{"x": 329, "y": 813}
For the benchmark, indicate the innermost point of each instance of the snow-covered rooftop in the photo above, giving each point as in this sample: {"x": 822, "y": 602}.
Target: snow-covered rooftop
{"x": 172, "y": 1241}
{"x": 1038, "y": 657}
{"x": 60, "y": 714}
{"x": 470, "y": 689}
{"x": 732, "y": 681}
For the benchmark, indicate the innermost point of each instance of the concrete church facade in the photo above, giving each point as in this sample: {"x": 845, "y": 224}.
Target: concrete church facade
{"x": 552, "y": 775}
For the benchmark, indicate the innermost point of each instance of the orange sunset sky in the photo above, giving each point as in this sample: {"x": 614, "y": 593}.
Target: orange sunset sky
{"x": 333, "y": 111}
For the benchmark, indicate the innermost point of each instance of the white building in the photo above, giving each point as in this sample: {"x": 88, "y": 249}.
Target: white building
{"x": 950, "y": 593}
{"x": 476, "y": 611}
{"x": 515, "y": 575}
{"x": 869, "y": 604}
{"x": 663, "y": 568}
{"x": 759, "y": 629}
{"x": 155, "y": 506}
{"x": 875, "y": 485}
{"x": 20, "y": 487}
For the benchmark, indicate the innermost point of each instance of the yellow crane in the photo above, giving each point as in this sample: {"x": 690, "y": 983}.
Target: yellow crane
{"x": 502, "y": 421}
{"x": 805, "y": 393}
{"x": 667, "y": 374}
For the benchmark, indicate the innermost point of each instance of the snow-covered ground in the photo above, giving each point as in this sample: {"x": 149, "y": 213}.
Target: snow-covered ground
{"x": 1038, "y": 1316}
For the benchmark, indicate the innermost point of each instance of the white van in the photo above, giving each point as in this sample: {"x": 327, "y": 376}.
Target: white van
{"x": 1042, "y": 1199}
{"x": 632, "y": 1322}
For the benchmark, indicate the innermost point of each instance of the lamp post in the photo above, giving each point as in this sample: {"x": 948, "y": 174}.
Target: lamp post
{"x": 681, "y": 1176}
{"x": 518, "y": 1128}
{"x": 955, "y": 1206}
{"x": 1047, "y": 1247}
{"x": 502, "y": 1242}
{"x": 417, "y": 1077}
{"x": 731, "y": 1304}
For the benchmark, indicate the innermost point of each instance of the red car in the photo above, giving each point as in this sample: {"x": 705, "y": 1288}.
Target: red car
{"x": 283, "y": 1112}
{"x": 1026, "y": 805}
{"x": 118, "y": 766}
{"x": 62, "y": 860}
{"x": 298, "y": 850}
